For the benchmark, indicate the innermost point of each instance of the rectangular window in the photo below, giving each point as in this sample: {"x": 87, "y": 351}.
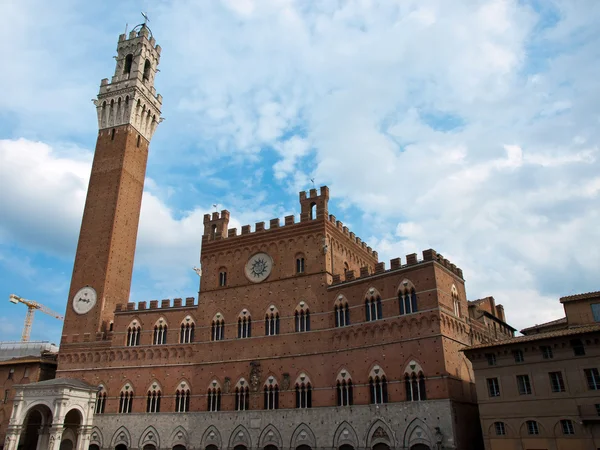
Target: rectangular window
{"x": 577, "y": 346}
{"x": 6, "y": 393}
{"x": 11, "y": 373}
{"x": 493, "y": 387}
{"x": 596, "y": 311}
{"x": 567, "y": 426}
{"x": 598, "y": 408}
{"x": 222, "y": 278}
{"x": 26, "y": 374}
{"x": 518, "y": 355}
{"x": 524, "y": 384}
{"x": 546, "y": 352}
{"x": 491, "y": 359}
{"x": 593, "y": 379}
{"x": 500, "y": 429}
{"x": 557, "y": 383}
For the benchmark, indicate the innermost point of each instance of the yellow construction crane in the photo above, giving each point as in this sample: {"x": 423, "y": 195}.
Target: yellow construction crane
{"x": 31, "y": 307}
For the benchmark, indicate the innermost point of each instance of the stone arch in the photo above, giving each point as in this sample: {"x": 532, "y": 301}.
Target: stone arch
{"x": 270, "y": 436}
{"x": 211, "y": 437}
{"x": 345, "y": 435}
{"x": 303, "y": 435}
{"x": 240, "y": 436}
{"x": 379, "y": 433}
{"x": 372, "y": 291}
{"x": 417, "y": 432}
{"x": 149, "y": 436}
{"x": 179, "y": 436}
{"x": 121, "y": 436}
{"x": 509, "y": 430}
{"x": 96, "y": 437}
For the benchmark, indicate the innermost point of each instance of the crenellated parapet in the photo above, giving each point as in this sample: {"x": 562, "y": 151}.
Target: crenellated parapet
{"x": 339, "y": 225}
{"x": 153, "y": 305}
{"x": 396, "y": 264}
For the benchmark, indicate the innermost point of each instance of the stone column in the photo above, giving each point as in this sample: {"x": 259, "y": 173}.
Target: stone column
{"x": 11, "y": 442}
{"x": 56, "y": 432}
{"x": 83, "y": 437}
{"x": 43, "y": 435}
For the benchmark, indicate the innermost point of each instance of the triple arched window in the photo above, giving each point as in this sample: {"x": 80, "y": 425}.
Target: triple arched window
{"x": 303, "y": 392}
{"x": 407, "y": 298}
{"x": 244, "y": 325}
{"x": 302, "y": 318}
{"x": 271, "y": 394}
{"x": 242, "y": 396}
{"x": 126, "y": 399}
{"x": 373, "y": 308}
{"x": 217, "y": 328}
{"x": 214, "y": 396}
{"x": 186, "y": 334}
{"x": 133, "y": 334}
{"x": 342, "y": 312}
{"x": 272, "y": 321}
{"x": 344, "y": 389}
{"x": 182, "y": 398}
{"x": 100, "y": 401}
{"x": 378, "y": 386}
{"x": 153, "y": 399}
{"x": 160, "y": 332}
{"x": 414, "y": 382}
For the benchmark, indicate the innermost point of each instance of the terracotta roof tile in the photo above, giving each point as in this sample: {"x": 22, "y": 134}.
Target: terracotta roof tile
{"x": 587, "y": 295}
{"x": 562, "y": 320}
{"x": 537, "y": 337}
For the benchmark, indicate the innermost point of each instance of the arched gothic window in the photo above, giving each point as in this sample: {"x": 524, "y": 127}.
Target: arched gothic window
{"x": 133, "y": 334}
{"x": 160, "y": 332}
{"x": 455, "y": 301}
{"x": 272, "y": 321}
{"x": 414, "y": 382}
{"x": 407, "y": 298}
{"x": 126, "y": 399}
{"x": 244, "y": 325}
{"x": 313, "y": 211}
{"x": 378, "y": 386}
{"x": 242, "y": 396}
{"x": 344, "y": 389}
{"x": 300, "y": 264}
{"x": 153, "y": 399}
{"x": 214, "y": 396}
{"x": 342, "y": 312}
{"x": 186, "y": 334}
{"x": 222, "y": 277}
{"x": 217, "y": 329}
{"x": 100, "y": 401}
{"x": 127, "y": 65}
{"x": 373, "y": 308}
{"x": 147, "y": 67}
{"x": 182, "y": 398}
{"x": 303, "y": 392}
{"x": 271, "y": 394}
{"x": 302, "y": 317}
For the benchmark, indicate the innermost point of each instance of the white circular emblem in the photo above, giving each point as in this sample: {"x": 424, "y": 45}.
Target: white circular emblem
{"x": 259, "y": 267}
{"x": 84, "y": 300}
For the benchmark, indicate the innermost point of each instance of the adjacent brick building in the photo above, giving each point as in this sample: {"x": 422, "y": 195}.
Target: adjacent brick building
{"x": 542, "y": 390}
{"x": 301, "y": 338}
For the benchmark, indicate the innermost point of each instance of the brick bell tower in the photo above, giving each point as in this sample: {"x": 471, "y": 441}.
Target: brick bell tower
{"x": 128, "y": 114}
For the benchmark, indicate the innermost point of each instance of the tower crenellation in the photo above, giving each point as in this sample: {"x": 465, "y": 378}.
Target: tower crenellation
{"x": 130, "y": 97}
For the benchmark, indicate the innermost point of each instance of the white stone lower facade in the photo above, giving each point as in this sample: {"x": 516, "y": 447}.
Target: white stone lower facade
{"x": 411, "y": 425}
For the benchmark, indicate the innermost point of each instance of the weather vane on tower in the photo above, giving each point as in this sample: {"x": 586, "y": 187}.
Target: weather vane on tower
{"x": 145, "y": 16}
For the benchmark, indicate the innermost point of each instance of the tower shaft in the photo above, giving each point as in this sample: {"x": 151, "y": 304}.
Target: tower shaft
{"x": 128, "y": 114}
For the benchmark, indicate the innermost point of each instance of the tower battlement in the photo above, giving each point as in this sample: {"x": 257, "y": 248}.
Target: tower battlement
{"x": 396, "y": 264}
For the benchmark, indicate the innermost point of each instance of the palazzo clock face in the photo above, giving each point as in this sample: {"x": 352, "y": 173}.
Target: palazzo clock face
{"x": 84, "y": 300}
{"x": 259, "y": 267}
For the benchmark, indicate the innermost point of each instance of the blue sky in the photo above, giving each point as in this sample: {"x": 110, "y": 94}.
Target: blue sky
{"x": 471, "y": 127}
